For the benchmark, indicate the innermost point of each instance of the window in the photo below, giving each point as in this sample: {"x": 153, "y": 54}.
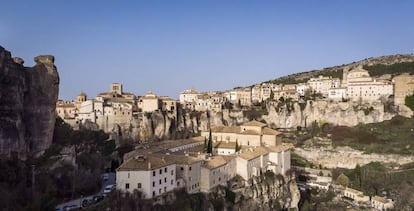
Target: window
{"x": 165, "y": 179}
{"x": 153, "y": 173}
{"x": 182, "y": 168}
{"x": 165, "y": 170}
{"x": 128, "y": 174}
{"x": 190, "y": 168}
{"x": 172, "y": 172}
{"x": 153, "y": 193}
{"x": 160, "y": 171}
{"x": 139, "y": 185}
{"x": 153, "y": 184}
{"x": 160, "y": 182}
{"x": 172, "y": 182}
{"x": 127, "y": 186}
{"x": 165, "y": 189}
{"x": 159, "y": 191}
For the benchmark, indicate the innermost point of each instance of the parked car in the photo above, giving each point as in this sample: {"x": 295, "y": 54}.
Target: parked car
{"x": 97, "y": 198}
{"x": 108, "y": 189}
{"x": 72, "y": 207}
{"x": 87, "y": 202}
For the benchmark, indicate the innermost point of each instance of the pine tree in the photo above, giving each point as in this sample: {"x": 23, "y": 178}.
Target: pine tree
{"x": 210, "y": 143}
{"x": 237, "y": 146}
{"x": 205, "y": 145}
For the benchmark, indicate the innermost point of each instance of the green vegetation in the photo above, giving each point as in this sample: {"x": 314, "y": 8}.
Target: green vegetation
{"x": 394, "y": 69}
{"x": 210, "y": 143}
{"x": 395, "y": 136}
{"x": 368, "y": 110}
{"x": 287, "y": 80}
{"x": 334, "y": 73}
{"x": 409, "y": 101}
{"x": 375, "y": 179}
{"x": 300, "y": 161}
{"x": 238, "y": 147}
{"x": 54, "y": 179}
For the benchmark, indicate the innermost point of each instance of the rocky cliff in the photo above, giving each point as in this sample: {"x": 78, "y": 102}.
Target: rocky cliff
{"x": 28, "y": 98}
{"x": 337, "y": 113}
{"x": 171, "y": 125}
{"x": 346, "y": 157}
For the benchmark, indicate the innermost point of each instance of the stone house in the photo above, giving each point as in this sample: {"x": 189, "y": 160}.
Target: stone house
{"x": 356, "y": 195}
{"x": 217, "y": 170}
{"x": 381, "y": 203}
{"x": 252, "y": 133}
{"x": 403, "y": 86}
{"x": 153, "y": 175}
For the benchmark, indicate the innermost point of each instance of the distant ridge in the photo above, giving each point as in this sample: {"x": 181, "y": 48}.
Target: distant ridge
{"x": 391, "y": 64}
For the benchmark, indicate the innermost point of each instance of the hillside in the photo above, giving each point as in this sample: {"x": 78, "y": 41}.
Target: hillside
{"x": 376, "y": 66}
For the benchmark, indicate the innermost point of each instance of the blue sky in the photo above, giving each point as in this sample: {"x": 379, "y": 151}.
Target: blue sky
{"x": 168, "y": 46}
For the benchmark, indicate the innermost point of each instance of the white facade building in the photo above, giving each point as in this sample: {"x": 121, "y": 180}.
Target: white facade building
{"x": 152, "y": 175}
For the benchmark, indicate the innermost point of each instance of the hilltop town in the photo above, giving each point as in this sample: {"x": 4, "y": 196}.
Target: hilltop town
{"x": 218, "y": 153}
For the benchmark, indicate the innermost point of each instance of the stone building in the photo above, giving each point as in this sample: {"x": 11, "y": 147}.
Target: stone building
{"x": 362, "y": 87}
{"x": 252, "y": 133}
{"x": 403, "y": 86}
{"x": 149, "y": 102}
{"x": 322, "y": 84}
{"x": 153, "y": 175}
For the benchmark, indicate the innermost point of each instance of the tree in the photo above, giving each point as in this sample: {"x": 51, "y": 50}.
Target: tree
{"x": 205, "y": 145}
{"x": 272, "y": 95}
{"x": 342, "y": 180}
{"x": 210, "y": 143}
{"x": 409, "y": 101}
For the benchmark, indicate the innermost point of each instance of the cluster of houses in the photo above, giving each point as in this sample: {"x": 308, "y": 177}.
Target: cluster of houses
{"x": 113, "y": 107}
{"x": 377, "y": 202}
{"x": 355, "y": 85}
{"x": 164, "y": 166}
{"x": 322, "y": 180}
{"x": 118, "y": 107}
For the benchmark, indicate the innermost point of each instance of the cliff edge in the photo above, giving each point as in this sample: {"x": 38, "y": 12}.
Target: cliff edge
{"x": 28, "y": 98}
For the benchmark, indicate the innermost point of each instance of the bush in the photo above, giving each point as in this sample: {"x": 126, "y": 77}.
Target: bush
{"x": 409, "y": 101}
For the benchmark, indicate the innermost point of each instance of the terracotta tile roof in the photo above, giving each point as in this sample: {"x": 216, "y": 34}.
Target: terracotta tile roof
{"x": 280, "y": 148}
{"x": 254, "y": 123}
{"x": 225, "y": 145}
{"x": 380, "y": 199}
{"x": 182, "y": 159}
{"x": 216, "y": 161}
{"x": 225, "y": 129}
{"x": 252, "y": 153}
{"x": 145, "y": 163}
{"x": 250, "y": 132}
{"x": 269, "y": 131}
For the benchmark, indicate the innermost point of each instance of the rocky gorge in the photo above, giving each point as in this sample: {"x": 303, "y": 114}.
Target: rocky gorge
{"x": 28, "y": 98}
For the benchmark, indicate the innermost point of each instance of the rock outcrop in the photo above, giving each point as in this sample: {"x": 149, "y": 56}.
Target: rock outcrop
{"x": 28, "y": 98}
{"x": 336, "y": 113}
{"x": 346, "y": 157}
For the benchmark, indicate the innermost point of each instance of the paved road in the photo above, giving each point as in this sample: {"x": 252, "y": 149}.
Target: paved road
{"x": 78, "y": 201}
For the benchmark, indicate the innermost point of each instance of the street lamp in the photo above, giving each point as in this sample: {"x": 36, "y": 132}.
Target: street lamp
{"x": 80, "y": 201}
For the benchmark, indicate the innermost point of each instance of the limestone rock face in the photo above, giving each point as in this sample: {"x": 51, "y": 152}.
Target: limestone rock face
{"x": 346, "y": 157}
{"x": 28, "y": 98}
{"x": 336, "y": 113}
